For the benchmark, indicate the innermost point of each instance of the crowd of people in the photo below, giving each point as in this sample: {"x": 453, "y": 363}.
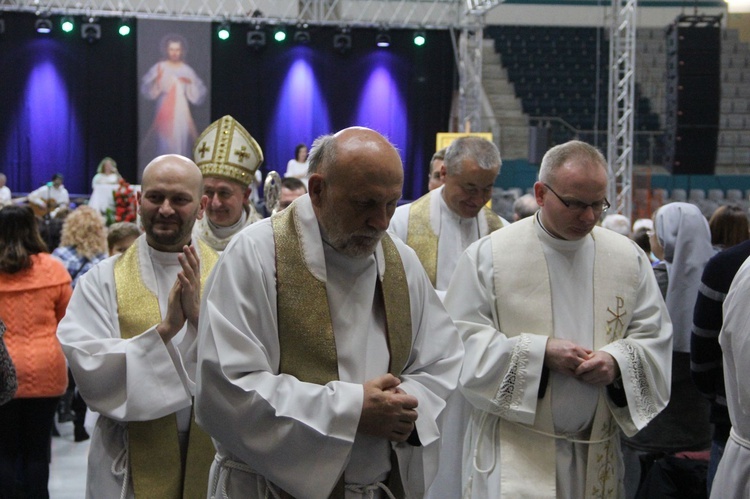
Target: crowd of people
{"x": 351, "y": 346}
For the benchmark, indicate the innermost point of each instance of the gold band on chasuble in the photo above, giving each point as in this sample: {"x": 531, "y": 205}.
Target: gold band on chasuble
{"x": 423, "y": 240}
{"x": 306, "y": 340}
{"x": 153, "y": 446}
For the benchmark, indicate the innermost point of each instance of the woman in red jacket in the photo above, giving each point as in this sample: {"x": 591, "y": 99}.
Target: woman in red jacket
{"x": 34, "y": 292}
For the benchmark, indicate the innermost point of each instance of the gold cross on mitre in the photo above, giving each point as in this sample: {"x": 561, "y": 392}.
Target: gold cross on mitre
{"x": 242, "y": 153}
{"x": 204, "y": 149}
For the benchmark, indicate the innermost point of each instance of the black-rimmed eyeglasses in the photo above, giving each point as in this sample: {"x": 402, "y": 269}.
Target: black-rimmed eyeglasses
{"x": 579, "y": 206}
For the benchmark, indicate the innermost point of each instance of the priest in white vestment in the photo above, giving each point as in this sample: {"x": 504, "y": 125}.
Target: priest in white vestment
{"x": 229, "y": 157}
{"x": 731, "y": 480}
{"x": 567, "y": 342}
{"x": 325, "y": 356}
{"x": 129, "y": 336}
{"x": 439, "y": 226}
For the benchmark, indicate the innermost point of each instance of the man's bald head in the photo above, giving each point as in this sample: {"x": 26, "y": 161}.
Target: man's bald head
{"x": 176, "y": 165}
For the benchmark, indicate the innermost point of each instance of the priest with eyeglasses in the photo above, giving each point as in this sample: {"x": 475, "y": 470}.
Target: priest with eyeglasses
{"x": 567, "y": 341}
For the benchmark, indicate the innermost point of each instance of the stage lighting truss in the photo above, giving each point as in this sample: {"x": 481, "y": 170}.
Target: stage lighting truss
{"x": 91, "y": 31}
{"x": 43, "y": 25}
{"x": 256, "y": 38}
{"x": 67, "y": 24}
{"x": 223, "y": 31}
{"x": 342, "y": 41}
{"x": 383, "y": 39}
{"x": 302, "y": 35}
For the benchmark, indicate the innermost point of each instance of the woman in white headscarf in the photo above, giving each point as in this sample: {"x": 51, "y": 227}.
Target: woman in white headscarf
{"x": 682, "y": 239}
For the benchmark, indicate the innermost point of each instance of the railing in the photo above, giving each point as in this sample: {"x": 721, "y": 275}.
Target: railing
{"x": 648, "y": 144}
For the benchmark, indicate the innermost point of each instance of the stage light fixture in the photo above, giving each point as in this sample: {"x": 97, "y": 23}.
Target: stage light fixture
{"x": 419, "y": 38}
{"x": 302, "y": 35}
{"x": 279, "y": 34}
{"x": 124, "y": 29}
{"x": 43, "y": 25}
{"x": 342, "y": 41}
{"x": 383, "y": 40}
{"x": 256, "y": 38}
{"x": 91, "y": 31}
{"x": 67, "y": 24}
{"x": 223, "y": 31}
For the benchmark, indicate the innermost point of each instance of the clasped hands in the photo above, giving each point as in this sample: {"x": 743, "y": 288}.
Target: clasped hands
{"x": 387, "y": 411}
{"x": 184, "y": 297}
{"x": 593, "y": 367}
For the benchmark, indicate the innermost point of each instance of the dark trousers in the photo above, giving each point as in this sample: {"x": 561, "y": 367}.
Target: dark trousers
{"x": 25, "y": 439}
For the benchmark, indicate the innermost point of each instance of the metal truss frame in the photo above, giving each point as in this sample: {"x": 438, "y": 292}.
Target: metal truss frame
{"x": 621, "y": 105}
{"x": 468, "y": 50}
{"x": 422, "y": 14}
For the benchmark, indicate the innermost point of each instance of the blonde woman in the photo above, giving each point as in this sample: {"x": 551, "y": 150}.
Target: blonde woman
{"x": 83, "y": 244}
{"x": 106, "y": 173}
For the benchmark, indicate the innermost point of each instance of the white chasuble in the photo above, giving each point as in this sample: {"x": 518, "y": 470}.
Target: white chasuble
{"x": 531, "y": 287}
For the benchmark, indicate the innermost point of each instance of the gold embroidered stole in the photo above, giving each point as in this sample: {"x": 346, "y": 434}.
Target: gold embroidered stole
{"x": 306, "y": 338}
{"x": 524, "y": 304}
{"x": 153, "y": 446}
{"x": 423, "y": 240}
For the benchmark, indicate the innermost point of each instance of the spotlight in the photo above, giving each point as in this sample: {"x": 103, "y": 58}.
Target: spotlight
{"x": 91, "y": 32}
{"x": 342, "y": 41}
{"x": 67, "y": 24}
{"x": 124, "y": 29}
{"x": 383, "y": 40}
{"x": 419, "y": 38}
{"x": 223, "y": 31}
{"x": 302, "y": 35}
{"x": 280, "y": 34}
{"x": 43, "y": 26}
{"x": 256, "y": 38}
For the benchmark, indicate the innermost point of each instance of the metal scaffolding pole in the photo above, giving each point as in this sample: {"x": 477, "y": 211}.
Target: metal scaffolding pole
{"x": 621, "y": 106}
{"x": 470, "y": 75}
{"x": 469, "y": 62}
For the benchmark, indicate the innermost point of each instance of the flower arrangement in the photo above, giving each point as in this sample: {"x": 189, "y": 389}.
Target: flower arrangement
{"x": 125, "y": 205}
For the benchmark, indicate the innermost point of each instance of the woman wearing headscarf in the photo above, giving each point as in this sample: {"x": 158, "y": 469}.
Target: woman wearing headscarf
{"x": 682, "y": 239}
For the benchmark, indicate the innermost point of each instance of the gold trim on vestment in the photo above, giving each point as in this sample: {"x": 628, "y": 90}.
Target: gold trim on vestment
{"x": 153, "y": 446}
{"x": 423, "y": 240}
{"x": 306, "y": 338}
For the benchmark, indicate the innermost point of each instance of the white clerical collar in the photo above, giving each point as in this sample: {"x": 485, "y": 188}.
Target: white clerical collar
{"x": 224, "y": 232}
{"x": 163, "y": 257}
{"x": 555, "y": 242}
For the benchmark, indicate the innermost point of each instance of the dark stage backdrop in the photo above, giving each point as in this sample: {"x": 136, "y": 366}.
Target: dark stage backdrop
{"x": 65, "y": 103}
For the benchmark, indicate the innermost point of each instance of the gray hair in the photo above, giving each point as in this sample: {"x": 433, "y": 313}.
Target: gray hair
{"x": 561, "y": 153}
{"x": 322, "y": 155}
{"x": 484, "y": 152}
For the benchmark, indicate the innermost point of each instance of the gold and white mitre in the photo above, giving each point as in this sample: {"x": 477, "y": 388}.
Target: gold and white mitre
{"x": 225, "y": 149}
